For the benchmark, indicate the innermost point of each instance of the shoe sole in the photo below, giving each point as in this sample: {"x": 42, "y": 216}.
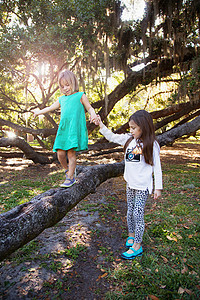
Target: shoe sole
{"x": 132, "y": 257}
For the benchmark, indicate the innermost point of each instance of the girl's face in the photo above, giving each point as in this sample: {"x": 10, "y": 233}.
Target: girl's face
{"x": 135, "y": 130}
{"x": 65, "y": 87}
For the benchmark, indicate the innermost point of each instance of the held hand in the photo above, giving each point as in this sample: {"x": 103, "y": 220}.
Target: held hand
{"x": 35, "y": 112}
{"x": 99, "y": 122}
{"x": 157, "y": 194}
{"x": 94, "y": 119}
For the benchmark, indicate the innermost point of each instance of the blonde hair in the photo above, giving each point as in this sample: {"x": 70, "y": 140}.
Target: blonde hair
{"x": 70, "y": 78}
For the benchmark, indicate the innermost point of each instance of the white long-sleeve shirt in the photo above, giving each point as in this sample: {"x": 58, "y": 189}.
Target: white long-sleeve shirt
{"x": 137, "y": 173}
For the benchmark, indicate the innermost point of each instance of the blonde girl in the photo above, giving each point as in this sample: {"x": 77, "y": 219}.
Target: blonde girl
{"x": 72, "y": 133}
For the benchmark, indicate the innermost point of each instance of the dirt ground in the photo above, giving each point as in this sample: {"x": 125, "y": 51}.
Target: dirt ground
{"x": 71, "y": 260}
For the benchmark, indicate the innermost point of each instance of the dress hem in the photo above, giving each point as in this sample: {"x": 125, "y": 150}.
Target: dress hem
{"x": 74, "y": 148}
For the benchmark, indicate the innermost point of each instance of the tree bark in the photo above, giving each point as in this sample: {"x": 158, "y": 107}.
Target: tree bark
{"x": 25, "y": 222}
{"x": 186, "y": 109}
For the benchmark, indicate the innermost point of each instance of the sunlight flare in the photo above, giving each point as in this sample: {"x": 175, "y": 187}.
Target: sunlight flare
{"x": 11, "y": 134}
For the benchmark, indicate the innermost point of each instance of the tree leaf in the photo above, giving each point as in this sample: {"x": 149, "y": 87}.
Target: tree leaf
{"x": 165, "y": 259}
{"x": 184, "y": 270}
{"x": 181, "y": 290}
{"x": 104, "y": 275}
{"x": 172, "y": 238}
{"x": 188, "y": 292}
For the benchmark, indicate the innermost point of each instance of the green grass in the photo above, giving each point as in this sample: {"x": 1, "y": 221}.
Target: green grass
{"x": 169, "y": 267}
{"x": 27, "y": 252}
{"x": 74, "y": 252}
{"x": 16, "y": 192}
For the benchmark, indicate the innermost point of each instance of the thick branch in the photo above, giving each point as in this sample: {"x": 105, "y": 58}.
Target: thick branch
{"x": 170, "y": 136}
{"x": 41, "y": 132}
{"x": 172, "y": 110}
{"x": 185, "y": 110}
{"x": 23, "y": 223}
{"x": 188, "y": 118}
{"x": 26, "y": 148}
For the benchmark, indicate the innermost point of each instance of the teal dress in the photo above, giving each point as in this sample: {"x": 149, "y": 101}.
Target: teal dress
{"x": 72, "y": 130}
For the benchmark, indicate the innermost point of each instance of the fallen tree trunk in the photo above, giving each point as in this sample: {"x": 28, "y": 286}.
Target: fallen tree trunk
{"x": 25, "y": 222}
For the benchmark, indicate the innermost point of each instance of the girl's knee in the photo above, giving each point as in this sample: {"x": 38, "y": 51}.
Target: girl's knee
{"x": 61, "y": 153}
{"x": 71, "y": 153}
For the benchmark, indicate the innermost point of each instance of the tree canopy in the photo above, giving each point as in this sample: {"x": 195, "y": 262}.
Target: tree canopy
{"x": 123, "y": 65}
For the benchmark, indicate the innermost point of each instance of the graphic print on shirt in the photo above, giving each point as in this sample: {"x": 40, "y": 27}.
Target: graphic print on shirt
{"x": 133, "y": 154}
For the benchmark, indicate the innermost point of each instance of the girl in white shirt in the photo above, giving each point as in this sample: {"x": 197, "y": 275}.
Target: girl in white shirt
{"x": 142, "y": 159}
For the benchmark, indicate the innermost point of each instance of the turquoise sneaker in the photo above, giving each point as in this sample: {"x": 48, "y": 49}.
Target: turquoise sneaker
{"x": 68, "y": 182}
{"x": 135, "y": 253}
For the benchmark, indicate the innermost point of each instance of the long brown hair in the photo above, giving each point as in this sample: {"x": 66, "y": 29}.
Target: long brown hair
{"x": 144, "y": 120}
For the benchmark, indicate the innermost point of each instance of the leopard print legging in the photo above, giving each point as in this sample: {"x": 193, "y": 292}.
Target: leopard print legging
{"x": 136, "y": 200}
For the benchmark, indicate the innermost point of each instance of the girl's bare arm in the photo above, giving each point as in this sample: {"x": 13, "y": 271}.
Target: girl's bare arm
{"x": 89, "y": 108}
{"x": 47, "y": 109}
